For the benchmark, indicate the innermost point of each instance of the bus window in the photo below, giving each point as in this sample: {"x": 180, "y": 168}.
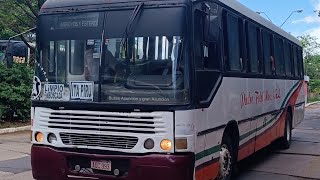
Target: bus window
{"x": 54, "y": 55}
{"x": 198, "y": 39}
{"x": 287, "y": 59}
{"x": 295, "y": 61}
{"x": 267, "y": 53}
{"x": 76, "y": 57}
{"x": 232, "y": 42}
{"x": 253, "y": 47}
{"x": 279, "y": 58}
{"x": 213, "y": 61}
{"x": 300, "y": 61}
{"x": 51, "y": 60}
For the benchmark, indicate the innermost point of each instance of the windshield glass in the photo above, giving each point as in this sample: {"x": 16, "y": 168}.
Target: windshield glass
{"x": 78, "y": 62}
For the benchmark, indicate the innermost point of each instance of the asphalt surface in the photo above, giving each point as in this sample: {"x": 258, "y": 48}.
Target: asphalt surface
{"x": 300, "y": 162}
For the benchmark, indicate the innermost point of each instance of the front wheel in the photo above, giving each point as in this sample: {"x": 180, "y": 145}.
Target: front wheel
{"x": 226, "y": 160}
{"x": 285, "y": 141}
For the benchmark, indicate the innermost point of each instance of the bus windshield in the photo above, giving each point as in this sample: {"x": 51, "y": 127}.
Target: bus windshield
{"x": 83, "y": 59}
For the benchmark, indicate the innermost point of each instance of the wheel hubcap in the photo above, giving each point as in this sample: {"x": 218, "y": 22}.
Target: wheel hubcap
{"x": 225, "y": 162}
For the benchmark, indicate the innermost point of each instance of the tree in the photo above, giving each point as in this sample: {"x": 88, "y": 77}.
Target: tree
{"x": 310, "y": 45}
{"x": 15, "y": 90}
{"x": 311, "y": 56}
{"x": 312, "y": 66}
{"x": 17, "y": 16}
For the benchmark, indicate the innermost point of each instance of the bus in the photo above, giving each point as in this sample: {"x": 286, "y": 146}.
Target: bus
{"x": 170, "y": 89}
{"x": 20, "y": 51}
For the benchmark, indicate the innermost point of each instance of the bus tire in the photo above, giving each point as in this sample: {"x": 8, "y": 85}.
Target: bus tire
{"x": 226, "y": 158}
{"x": 285, "y": 141}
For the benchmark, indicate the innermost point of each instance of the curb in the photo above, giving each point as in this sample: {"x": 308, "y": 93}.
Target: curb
{"x": 309, "y": 104}
{"x": 12, "y": 130}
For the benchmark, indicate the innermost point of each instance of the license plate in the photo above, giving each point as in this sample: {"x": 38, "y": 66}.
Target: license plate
{"x": 101, "y": 165}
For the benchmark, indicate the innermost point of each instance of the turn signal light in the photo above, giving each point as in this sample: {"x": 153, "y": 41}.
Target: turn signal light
{"x": 181, "y": 143}
{"x": 166, "y": 144}
{"x": 39, "y": 137}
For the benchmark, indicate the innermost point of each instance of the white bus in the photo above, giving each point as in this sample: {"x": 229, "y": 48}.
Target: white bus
{"x": 177, "y": 89}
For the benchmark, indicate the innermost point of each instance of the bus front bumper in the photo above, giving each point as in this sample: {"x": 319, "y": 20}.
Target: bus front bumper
{"x": 52, "y": 164}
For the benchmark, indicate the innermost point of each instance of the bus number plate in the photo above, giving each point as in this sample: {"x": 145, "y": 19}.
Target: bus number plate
{"x": 101, "y": 165}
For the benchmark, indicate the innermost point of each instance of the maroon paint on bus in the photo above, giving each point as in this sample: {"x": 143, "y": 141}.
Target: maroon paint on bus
{"x": 51, "y": 164}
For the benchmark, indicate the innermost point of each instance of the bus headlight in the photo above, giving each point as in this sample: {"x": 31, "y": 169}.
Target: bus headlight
{"x": 149, "y": 144}
{"x": 39, "y": 137}
{"x": 52, "y": 138}
{"x": 166, "y": 144}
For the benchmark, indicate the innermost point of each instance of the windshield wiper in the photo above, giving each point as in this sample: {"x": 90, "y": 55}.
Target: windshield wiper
{"x": 130, "y": 24}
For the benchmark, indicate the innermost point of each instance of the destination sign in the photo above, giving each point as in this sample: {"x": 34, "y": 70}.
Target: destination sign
{"x": 81, "y": 90}
{"x": 53, "y": 91}
{"x": 85, "y": 20}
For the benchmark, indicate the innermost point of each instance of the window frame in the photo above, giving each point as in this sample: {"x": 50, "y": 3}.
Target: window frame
{"x": 288, "y": 62}
{"x": 70, "y": 63}
{"x": 241, "y": 32}
{"x": 270, "y": 37}
{"x": 259, "y": 48}
{"x": 279, "y": 58}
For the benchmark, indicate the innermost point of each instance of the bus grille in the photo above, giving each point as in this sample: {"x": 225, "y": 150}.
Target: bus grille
{"x": 93, "y": 140}
{"x": 104, "y": 122}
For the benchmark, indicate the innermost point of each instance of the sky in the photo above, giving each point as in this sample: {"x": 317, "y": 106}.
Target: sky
{"x": 307, "y": 22}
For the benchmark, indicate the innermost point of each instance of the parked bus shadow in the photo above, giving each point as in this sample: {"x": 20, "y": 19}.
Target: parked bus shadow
{"x": 247, "y": 165}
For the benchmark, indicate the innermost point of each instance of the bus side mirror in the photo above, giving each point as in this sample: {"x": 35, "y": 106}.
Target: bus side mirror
{"x": 9, "y": 55}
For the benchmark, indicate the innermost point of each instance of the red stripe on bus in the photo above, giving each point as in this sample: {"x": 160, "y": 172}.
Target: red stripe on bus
{"x": 269, "y": 135}
{"x": 208, "y": 172}
{"x": 246, "y": 150}
{"x": 211, "y": 171}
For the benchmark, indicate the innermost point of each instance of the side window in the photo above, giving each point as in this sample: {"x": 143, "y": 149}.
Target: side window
{"x": 279, "y": 58}
{"x": 253, "y": 39}
{"x": 206, "y": 47}
{"x": 198, "y": 39}
{"x": 213, "y": 59}
{"x": 287, "y": 59}
{"x": 300, "y": 61}
{"x": 233, "y": 42}
{"x": 295, "y": 61}
{"x": 268, "y": 58}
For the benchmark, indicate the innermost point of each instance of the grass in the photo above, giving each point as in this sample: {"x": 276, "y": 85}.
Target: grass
{"x": 313, "y": 99}
{"x": 6, "y": 124}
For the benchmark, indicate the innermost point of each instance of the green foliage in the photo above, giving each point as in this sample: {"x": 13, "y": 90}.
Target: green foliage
{"x": 313, "y": 99}
{"x": 312, "y": 66}
{"x": 310, "y": 45}
{"x": 17, "y": 16}
{"x": 15, "y": 90}
{"x": 315, "y": 85}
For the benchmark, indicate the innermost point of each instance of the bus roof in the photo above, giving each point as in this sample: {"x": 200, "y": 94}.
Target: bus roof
{"x": 70, "y": 3}
{"x": 49, "y": 4}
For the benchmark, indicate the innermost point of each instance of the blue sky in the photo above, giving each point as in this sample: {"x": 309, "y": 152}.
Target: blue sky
{"x": 306, "y": 22}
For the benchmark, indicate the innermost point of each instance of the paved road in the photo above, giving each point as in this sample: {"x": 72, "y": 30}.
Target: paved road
{"x": 15, "y": 156}
{"x": 300, "y": 162}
